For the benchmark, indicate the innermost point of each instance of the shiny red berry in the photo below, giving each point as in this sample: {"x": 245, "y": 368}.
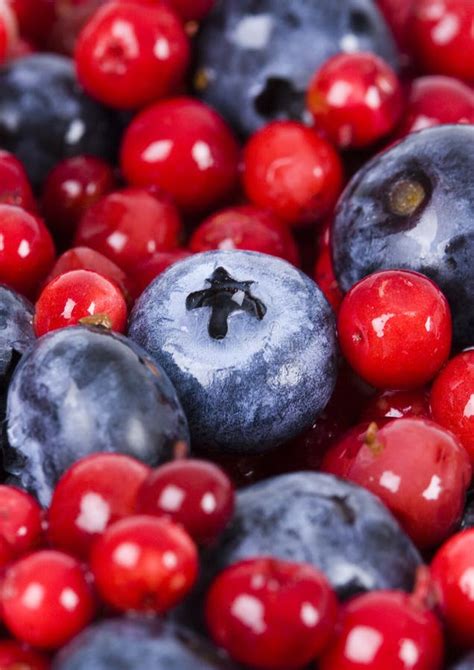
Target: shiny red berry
{"x": 15, "y": 188}
{"x": 324, "y": 274}
{"x": 398, "y": 405}
{"x": 245, "y": 227}
{"x": 130, "y": 225}
{"x": 46, "y": 599}
{"x": 94, "y": 493}
{"x": 292, "y": 171}
{"x": 16, "y": 656}
{"x": 185, "y": 148}
{"x": 8, "y": 30}
{"x": 35, "y": 18}
{"x": 356, "y": 99}
{"x": 397, "y": 13}
{"x": 20, "y": 520}
{"x": 271, "y": 614}
{"x": 395, "y": 329}
{"x": 144, "y": 564}
{"x": 146, "y": 271}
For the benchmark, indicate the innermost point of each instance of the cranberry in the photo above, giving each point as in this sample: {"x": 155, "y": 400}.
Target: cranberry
{"x": 146, "y": 271}
{"x": 26, "y": 250}
{"x": 21, "y": 48}
{"x": 20, "y": 520}
{"x": 15, "y": 656}
{"x": 356, "y": 99}
{"x": 395, "y": 329}
{"x": 15, "y": 188}
{"x": 386, "y": 629}
{"x": 397, "y": 14}
{"x": 46, "y": 599}
{"x": 397, "y": 405}
{"x": 324, "y": 274}
{"x": 271, "y": 614}
{"x": 94, "y": 493}
{"x": 71, "y": 187}
{"x": 8, "y": 30}
{"x": 443, "y": 38}
{"x": 129, "y": 55}
{"x": 35, "y": 18}
{"x": 184, "y": 147}
{"x": 144, "y": 563}
{"x": 292, "y": 171}
{"x": 110, "y": 226}
{"x": 245, "y": 227}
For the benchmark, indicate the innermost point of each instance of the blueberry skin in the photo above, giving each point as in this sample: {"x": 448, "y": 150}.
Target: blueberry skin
{"x": 267, "y": 379}
{"x": 437, "y": 240}
{"x": 465, "y": 663}
{"x": 129, "y": 644}
{"x": 45, "y": 116}
{"x": 255, "y": 58}
{"x": 78, "y": 391}
{"x": 16, "y": 329}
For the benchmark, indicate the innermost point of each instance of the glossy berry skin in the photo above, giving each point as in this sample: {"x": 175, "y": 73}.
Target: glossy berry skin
{"x": 395, "y": 329}
{"x": 452, "y": 399}
{"x": 35, "y": 18}
{"x": 387, "y": 405}
{"x": 195, "y": 494}
{"x": 110, "y": 226}
{"x": 415, "y": 467}
{"x": 324, "y": 270}
{"x": 80, "y": 297}
{"x": 15, "y": 656}
{"x": 16, "y": 331}
{"x": 245, "y": 227}
{"x": 148, "y": 270}
{"x": 71, "y": 187}
{"x": 297, "y": 612}
{"x": 94, "y": 493}
{"x": 292, "y": 171}
{"x": 128, "y": 55}
{"x": 6, "y": 555}
{"x": 27, "y": 250}
{"x": 355, "y": 99}
{"x": 144, "y": 564}
{"x": 386, "y": 629}
{"x": 20, "y": 520}
{"x": 15, "y": 188}
{"x": 185, "y": 148}
{"x": 46, "y": 599}
{"x": 442, "y": 37}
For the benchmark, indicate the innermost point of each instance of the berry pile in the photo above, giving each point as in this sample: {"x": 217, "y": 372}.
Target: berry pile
{"x": 236, "y": 335}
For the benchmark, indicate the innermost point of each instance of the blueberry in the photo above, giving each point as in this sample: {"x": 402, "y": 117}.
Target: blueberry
{"x": 79, "y": 391}
{"x": 255, "y": 58}
{"x": 249, "y": 343}
{"x": 16, "y": 329}
{"x": 412, "y": 207}
{"x": 45, "y": 116}
{"x": 465, "y": 663}
{"x": 129, "y": 644}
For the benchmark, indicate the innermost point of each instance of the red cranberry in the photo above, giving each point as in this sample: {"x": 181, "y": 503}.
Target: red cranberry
{"x": 20, "y": 520}
{"x": 129, "y": 55}
{"x": 397, "y": 13}
{"x": 6, "y": 555}
{"x": 21, "y": 48}
{"x": 271, "y": 614}
{"x": 15, "y": 188}
{"x": 80, "y": 297}
{"x": 35, "y": 18}
{"x": 245, "y": 227}
{"x": 144, "y": 564}
{"x": 386, "y": 629}
{"x": 356, "y": 99}
{"x": 71, "y": 187}
{"x": 415, "y": 467}
{"x": 46, "y": 599}
{"x": 397, "y": 405}
{"x": 324, "y": 274}
{"x": 94, "y": 493}
{"x": 8, "y": 30}
{"x": 148, "y": 270}
{"x": 395, "y": 329}
{"x": 292, "y": 171}
{"x": 15, "y": 656}
{"x": 443, "y": 38}
{"x": 110, "y": 226}
{"x": 185, "y": 148}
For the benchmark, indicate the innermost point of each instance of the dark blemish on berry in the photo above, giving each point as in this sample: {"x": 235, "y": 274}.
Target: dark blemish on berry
{"x": 279, "y": 98}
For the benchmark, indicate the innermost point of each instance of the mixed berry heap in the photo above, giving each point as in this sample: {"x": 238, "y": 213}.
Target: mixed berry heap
{"x": 236, "y": 334}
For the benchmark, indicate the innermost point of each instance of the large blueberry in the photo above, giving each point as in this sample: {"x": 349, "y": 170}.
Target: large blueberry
{"x": 16, "y": 329}
{"x": 249, "y": 343}
{"x": 412, "y": 207}
{"x": 255, "y": 58}
{"x": 45, "y": 116}
{"x": 130, "y": 644}
{"x": 79, "y": 391}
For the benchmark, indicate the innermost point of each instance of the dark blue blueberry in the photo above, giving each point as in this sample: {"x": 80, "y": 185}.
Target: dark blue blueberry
{"x": 16, "y": 329}
{"x": 249, "y": 343}
{"x": 79, "y": 391}
{"x": 131, "y": 644}
{"x": 255, "y": 58}
{"x": 45, "y": 116}
{"x": 464, "y": 663}
{"x": 468, "y": 516}
{"x": 412, "y": 207}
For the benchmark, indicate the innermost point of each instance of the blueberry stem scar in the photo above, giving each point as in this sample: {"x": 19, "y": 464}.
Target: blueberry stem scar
{"x": 224, "y": 296}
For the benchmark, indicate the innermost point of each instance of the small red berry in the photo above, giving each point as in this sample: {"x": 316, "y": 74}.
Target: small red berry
{"x": 15, "y": 188}
{"x": 130, "y": 225}
{"x": 185, "y": 148}
{"x": 20, "y": 520}
{"x": 398, "y": 405}
{"x": 356, "y": 99}
{"x": 94, "y": 493}
{"x": 16, "y": 656}
{"x": 144, "y": 564}
{"x": 129, "y": 55}
{"x": 245, "y": 227}
{"x": 46, "y": 599}
{"x": 324, "y": 274}
{"x": 6, "y": 555}
{"x": 148, "y": 270}
{"x": 35, "y": 18}
{"x": 395, "y": 329}
{"x": 397, "y": 13}
{"x": 292, "y": 171}
{"x": 271, "y": 614}
{"x": 8, "y": 30}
